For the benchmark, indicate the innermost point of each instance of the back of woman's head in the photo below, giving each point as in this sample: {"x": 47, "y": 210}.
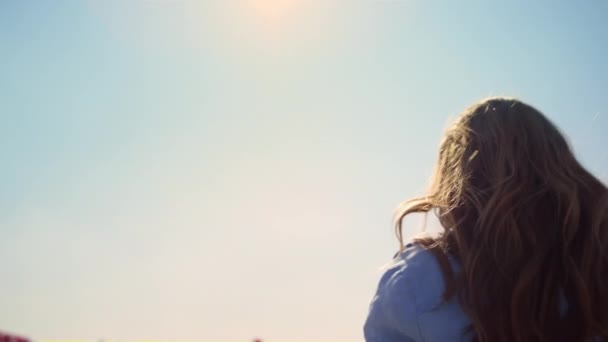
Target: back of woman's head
{"x": 527, "y": 223}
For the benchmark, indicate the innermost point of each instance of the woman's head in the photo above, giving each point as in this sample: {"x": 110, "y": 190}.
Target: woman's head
{"x": 524, "y": 219}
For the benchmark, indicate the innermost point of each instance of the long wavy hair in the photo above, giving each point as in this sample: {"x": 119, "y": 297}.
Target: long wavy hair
{"x": 525, "y": 221}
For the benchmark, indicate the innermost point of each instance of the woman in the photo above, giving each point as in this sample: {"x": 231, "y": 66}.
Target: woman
{"x": 523, "y": 255}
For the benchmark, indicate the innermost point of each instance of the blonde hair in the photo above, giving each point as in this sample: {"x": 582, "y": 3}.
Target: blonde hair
{"x": 527, "y": 223}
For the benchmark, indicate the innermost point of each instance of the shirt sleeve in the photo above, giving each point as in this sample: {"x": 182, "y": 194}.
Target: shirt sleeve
{"x": 392, "y": 313}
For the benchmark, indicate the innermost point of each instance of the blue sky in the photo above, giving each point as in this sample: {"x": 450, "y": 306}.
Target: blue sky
{"x": 215, "y": 170}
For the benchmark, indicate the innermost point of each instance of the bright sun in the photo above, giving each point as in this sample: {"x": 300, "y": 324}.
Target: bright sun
{"x": 273, "y": 10}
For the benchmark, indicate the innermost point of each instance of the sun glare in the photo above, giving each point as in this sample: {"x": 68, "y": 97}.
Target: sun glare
{"x": 273, "y": 10}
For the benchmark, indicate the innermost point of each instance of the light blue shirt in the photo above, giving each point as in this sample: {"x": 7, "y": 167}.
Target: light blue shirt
{"x": 407, "y": 306}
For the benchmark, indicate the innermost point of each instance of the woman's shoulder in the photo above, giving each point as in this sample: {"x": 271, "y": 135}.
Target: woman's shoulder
{"x": 409, "y": 301}
{"x": 416, "y": 269}
{"x": 414, "y": 259}
{"x": 413, "y": 254}
{"x": 393, "y": 312}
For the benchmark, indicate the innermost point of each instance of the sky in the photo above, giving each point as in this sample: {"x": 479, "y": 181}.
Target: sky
{"x": 224, "y": 170}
